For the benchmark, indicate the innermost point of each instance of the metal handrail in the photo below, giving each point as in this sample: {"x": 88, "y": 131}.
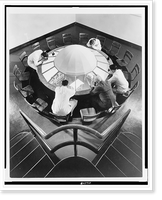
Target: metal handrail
{"x": 74, "y": 126}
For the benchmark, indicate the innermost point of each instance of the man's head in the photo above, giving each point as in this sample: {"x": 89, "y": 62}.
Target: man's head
{"x": 112, "y": 69}
{"x": 44, "y": 55}
{"x": 92, "y": 41}
{"x": 97, "y": 79}
{"x": 65, "y": 82}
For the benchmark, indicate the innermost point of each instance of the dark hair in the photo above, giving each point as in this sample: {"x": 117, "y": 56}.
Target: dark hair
{"x": 65, "y": 82}
{"x": 92, "y": 41}
{"x": 44, "y": 54}
{"x": 113, "y": 67}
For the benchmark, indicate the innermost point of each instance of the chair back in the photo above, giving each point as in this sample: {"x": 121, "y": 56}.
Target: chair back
{"x": 24, "y": 91}
{"x": 23, "y": 58}
{"x": 36, "y": 46}
{"x": 21, "y": 76}
{"x": 115, "y": 47}
{"x": 83, "y": 38}
{"x": 16, "y": 71}
{"x": 60, "y": 118}
{"x": 88, "y": 114}
{"x": 55, "y": 118}
{"x": 135, "y": 71}
{"x": 128, "y": 77}
{"x": 102, "y": 40}
{"x": 40, "y": 104}
{"x": 135, "y": 86}
{"x": 67, "y": 38}
{"x": 127, "y": 94}
{"x": 51, "y": 42}
{"x": 50, "y": 38}
{"x": 127, "y": 56}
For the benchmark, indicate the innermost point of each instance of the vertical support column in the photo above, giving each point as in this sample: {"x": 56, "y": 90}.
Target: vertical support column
{"x": 75, "y": 135}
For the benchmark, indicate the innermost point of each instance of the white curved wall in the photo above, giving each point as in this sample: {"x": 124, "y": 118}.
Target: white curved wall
{"x": 123, "y": 26}
{"x": 25, "y": 27}
{"x": 22, "y": 28}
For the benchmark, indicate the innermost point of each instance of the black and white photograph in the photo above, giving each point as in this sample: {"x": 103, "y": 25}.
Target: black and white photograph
{"x": 77, "y": 88}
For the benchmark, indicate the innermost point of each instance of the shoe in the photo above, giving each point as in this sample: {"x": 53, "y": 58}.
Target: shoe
{"x": 113, "y": 109}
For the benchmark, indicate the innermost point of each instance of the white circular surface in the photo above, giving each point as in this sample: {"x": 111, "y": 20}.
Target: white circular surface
{"x": 75, "y": 60}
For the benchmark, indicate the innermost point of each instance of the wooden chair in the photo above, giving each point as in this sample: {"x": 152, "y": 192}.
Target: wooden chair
{"x": 83, "y": 38}
{"x": 23, "y": 58}
{"x": 130, "y": 76}
{"x": 133, "y": 88}
{"x": 56, "y": 119}
{"x": 36, "y": 46}
{"x": 67, "y": 38}
{"x": 125, "y": 60}
{"x": 20, "y": 75}
{"x": 102, "y": 40}
{"x": 114, "y": 49}
{"x": 135, "y": 71}
{"x": 40, "y": 104}
{"x": 121, "y": 98}
{"x": 24, "y": 91}
{"x": 51, "y": 42}
{"x": 88, "y": 115}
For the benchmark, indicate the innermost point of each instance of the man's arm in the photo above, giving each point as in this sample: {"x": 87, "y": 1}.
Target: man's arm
{"x": 38, "y": 60}
{"x": 112, "y": 79}
{"x": 96, "y": 90}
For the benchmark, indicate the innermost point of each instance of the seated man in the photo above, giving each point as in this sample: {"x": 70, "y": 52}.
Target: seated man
{"x": 103, "y": 95}
{"x": 118, "y": 79}
{"x": 94, "y": 43}
{"x": 36, "y": 58}
{"x": 62, "y": 104}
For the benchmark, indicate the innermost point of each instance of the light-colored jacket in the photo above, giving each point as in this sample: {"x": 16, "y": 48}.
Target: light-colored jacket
{"x": 120, "y": 81}
{"x": 34, "y": 59}
{"x": 96, "y": 45}
{"x": 61, "y": 105}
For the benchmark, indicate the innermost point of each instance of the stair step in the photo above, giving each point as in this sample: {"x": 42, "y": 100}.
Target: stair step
{"x": 130, "y": 144}
{"x": 122, "y": 163}
{"x": 20, "y": 144}
{"x": 22, "y": 153}
{"x": 41, "y": 169}
{"x": 134, "y": 138}
{"x": 27, "y": 163}
{"x": 128, "y": 153}
{"x": 109, "y": 169}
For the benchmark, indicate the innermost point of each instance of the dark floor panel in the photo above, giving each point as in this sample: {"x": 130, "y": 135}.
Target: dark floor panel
{"x": 18, "y": 137}
{"x": 20, "y": 144}
{"x": 41, "y": 169}
{"x": 122, "y": 163}
{"x": 134, "y": 138}
{"x": 75, "y": 167}
{"x": 28, "y": 163}
{"x": 131, "y": 145}
{"x": 126, "y": 152}
{"x": 17, "y": 158}
{"x": 108, "y": 169}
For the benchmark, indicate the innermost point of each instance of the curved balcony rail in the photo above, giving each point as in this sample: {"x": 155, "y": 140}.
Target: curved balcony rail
{"x": 105, "y": 138}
